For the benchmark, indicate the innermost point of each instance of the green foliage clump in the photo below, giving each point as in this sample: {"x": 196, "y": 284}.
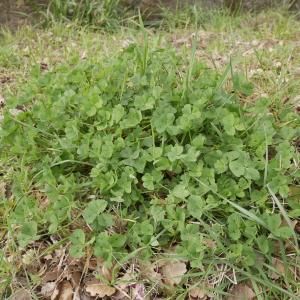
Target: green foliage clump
{"x": 89, "y": 12}
{"x": 150, "y": 152}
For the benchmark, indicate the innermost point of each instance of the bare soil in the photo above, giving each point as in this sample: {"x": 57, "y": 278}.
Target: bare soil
{"x": 16, "y": 13}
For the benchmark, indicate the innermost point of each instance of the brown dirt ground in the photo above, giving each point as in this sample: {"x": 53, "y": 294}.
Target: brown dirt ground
{"x": 15, "y": 13}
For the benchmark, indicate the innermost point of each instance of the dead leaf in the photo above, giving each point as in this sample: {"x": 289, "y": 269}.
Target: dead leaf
{"x": 98, "y": 264}
{"x": 2, "y": 189}
{"x": 48, "y": 289}
{"x": 55, "y": 294}
{"x": 99, "y": 289}
{"x": 85, "y": 297}
{"x": 21, "y": 294}
{"x": 241, "y": 291}
{"x": 120, "y": 295}
{"x": 279, "y": 267}
{"x": 106, "y": 273}
{"x": 139, "y": 292}
{"x": 48, "y": 257}
{"x": 297, "y": 72}
{"x": 20, "y": 3}
{"x": 297, "y": 227}
{"x": 43, "y": 66}
{"x": 149, "y": 271}
{"x": 14, "y": 111}
{"x": 123, "y": 285}
{"x": 42, "y": 199}
{"x": 83, "y": 55}
{"x": 75, "y": 278}
{"x": 172, "y": 272}
{"x": 126, "y": 43}
{"x": 76, "y": 295}
{"x": 52, "y": 275}
{"x": 66, "y": 291}
{"x": 210, "y": 243}
{"x": 28, "y": 257}
{"x": 5, "y": 79}
{"x": 197, "y": 293}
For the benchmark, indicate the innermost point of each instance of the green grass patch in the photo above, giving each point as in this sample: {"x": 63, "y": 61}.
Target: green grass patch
{"x": 150, "y": 155}
{"x": 219, "y": 189}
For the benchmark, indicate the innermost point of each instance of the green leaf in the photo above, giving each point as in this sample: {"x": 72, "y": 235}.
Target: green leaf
{"x": 228, "y": 123}
{"x": 273, "y": 222}
{"x": 117, "y": 113}
{"x": 77, "y": 239}
{"x": 234, "y": 223}
{"x": 284, "y": 232}
{"x": 103, "y": 248}
{"x": 133, "y": 118}
{"x": 156, "y": 91}
{"x": 156, "y": 152}
{"x": 148, "y": 181}
{"x": 93, "y": 209}
{"x": 157, "y": 213}
{"x": 249, "y": 256}
{"x": 28, "y": 233}
{"x": 145, "y": 228}
{"x": 103, "y": 221}
{"x": 117, "y": 240}
{"x": 180, "y": 191}
{"x": 175, "y": 153}
{"x": 144, "y": 102}
{"x": 237, "y": 168}
{"x": 191, "y": 156}
{"x": 198, "y": 141}
{"x": 263, "y": 244}
{"x": 163, "y": 118}
{"x": 242, "y": 85}
{"x": 252, "y": 174}
{"x": 221, "y": 166}
{"x": 196, "y": 206}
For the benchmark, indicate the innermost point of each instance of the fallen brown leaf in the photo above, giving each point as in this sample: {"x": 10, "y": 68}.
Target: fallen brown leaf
{"x": 76, "y": 295}
{"x": 5, "y": 79}
{"x": 197, "y": 293}
{"x": 48, "y": 257}
{"x": 85, "y": 297}
{"x": 297, "y": 72}
{"x": 21, "y": 294}
{"x": 139, "y": 292}
{"x": 210, "y": 243}
{"x": 297, "y": 227}
{"x": 172, "y": 272}
{"x": 74, "y": 278}
{"x": 20, "y": 3}
{"x": 120, "y": 295}
{"x": 66, "y": 291}
{"x": 279, "y": 267}
{"x": 52, "y": 275}
{"x": 149, "y": 271}
{"x": 55, "y": 294}
{"x": 124, "y": 283}
{"x": 48, "y": 289}
{"x": 2, "y": 189}
{"x": 241, "y": 291}
{"x": 99, "y": 289}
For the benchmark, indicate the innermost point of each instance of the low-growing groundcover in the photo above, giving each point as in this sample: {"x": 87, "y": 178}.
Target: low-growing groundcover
{"x": 148, "y": 158}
